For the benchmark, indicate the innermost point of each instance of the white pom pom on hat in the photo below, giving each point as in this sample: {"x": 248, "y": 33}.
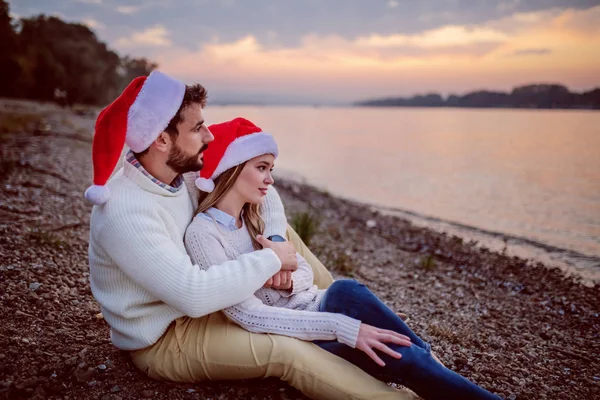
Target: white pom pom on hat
{"x": 97, "y": 194}
{"x": 236, "y": 142}
{"x": 135, "y": 118}
{"x": 206, "y": 185}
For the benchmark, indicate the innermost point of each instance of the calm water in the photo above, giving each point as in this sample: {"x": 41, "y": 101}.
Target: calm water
{"x": 529, "y": 174}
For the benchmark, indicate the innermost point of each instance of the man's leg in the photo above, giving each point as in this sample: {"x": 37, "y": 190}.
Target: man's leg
{"x": 215, "y": 348}
{"x": 417, "y": 369}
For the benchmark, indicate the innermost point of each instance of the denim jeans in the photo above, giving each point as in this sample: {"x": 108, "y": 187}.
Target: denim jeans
{"x": 417, "y": 369}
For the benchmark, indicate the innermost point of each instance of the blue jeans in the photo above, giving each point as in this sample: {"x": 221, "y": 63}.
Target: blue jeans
{"x": 417, "y": 369}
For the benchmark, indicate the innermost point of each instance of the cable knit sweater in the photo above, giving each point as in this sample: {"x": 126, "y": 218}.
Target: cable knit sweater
{"x": 292, "y": 314}
{"x": 140, "y": 272}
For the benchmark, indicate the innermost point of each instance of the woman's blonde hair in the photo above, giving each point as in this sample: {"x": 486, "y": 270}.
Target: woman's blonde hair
{"x": 251, "y": 213}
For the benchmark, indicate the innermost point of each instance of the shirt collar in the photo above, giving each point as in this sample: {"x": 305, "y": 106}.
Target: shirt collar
{"x": 177, "y": 183}
{"x": 222, "y": 218}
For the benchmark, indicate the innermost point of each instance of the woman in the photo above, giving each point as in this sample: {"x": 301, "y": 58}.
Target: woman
{"x": 346, "y": 319}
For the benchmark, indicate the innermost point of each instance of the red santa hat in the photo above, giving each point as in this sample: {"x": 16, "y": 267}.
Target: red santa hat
{"x": 136, "y": 118}
{"x": 236, "y": 142}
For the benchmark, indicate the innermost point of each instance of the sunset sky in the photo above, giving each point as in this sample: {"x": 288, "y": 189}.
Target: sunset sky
{"x": 346, "y": 50}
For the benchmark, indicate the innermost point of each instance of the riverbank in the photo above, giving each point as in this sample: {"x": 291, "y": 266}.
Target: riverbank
{"x": 515, "y": 327}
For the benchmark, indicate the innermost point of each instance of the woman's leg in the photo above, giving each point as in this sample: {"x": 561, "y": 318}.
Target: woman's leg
{"x": 214, "y": 348}
{"x": 417, "y": 369}
{"x": 354, "y": 299}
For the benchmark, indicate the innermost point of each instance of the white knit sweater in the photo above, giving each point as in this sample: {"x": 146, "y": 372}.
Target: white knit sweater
{"x": 140, "y": 272}
{"x": 292, "y": 314}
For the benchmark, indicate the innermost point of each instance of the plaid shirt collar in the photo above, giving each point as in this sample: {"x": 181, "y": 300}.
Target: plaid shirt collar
{"x": 177, "y": 183}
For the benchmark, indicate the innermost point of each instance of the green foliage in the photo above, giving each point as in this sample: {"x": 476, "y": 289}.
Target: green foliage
{"x": 45, "y": 58}
{"x": 43, "y": 237}
{"x": 344, "y": 265}
{"x": 428, "y": 262}
{"x": 19, "y": 122}
{"x": 305, "y": 226}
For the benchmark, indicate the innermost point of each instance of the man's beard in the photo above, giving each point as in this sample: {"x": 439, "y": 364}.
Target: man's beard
{"x": 179, "y": 162}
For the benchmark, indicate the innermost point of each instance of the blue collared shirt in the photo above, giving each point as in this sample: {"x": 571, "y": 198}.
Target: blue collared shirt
{"x": 177, "y": 183}
{"x": 223, "y": 219}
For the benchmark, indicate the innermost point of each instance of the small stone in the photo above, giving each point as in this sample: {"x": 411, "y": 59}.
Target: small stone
{"x": 191, "y": 390}
{"x": 512, "y": 396}
{"x": 105, "y": 397}
{"x": 544, "y": 335}
{"x": 101, "y": 367}
{"x": 92, "y": 383}
{"x": 26, "y": 384}
{"x": 84, "y": 374}
{"x": 115, "y": 389}
{"x": 71, "y": 362}
{"x": 109, "y": 363}
{"x": 25, "y": 340}
{"x": 33, "y": 286}
{"x": 147, "y": 394}
{"x": 460, "y": 362}
{"x": 371, "y": 223}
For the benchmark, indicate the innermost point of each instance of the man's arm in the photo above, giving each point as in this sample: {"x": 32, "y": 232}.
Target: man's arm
{"x": 302, "y": 279}
{"x": 273, "y": 213}
{"x": 143, "y": 249}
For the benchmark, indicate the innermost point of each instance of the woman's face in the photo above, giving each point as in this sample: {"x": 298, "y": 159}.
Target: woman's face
{"x": 255, "y": 178}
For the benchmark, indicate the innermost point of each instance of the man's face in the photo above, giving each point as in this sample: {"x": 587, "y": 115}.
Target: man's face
{"x": 186, "y": 153}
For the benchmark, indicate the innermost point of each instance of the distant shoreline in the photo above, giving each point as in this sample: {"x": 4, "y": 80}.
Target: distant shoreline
{"x": 536, "y": 96}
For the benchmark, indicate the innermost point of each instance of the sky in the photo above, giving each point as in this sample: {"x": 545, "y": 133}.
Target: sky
{"x": 340, "y": 51}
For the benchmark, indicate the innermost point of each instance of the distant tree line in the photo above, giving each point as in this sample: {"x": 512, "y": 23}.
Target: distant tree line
{"x": 45, "y": 58}
{"x": 529, "y": 96}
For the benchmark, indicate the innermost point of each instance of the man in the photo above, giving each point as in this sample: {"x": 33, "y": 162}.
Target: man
{"x": 156, "y": 302}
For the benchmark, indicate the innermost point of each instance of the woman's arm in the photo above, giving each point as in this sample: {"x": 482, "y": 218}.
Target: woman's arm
{"x": 257, "y": 317}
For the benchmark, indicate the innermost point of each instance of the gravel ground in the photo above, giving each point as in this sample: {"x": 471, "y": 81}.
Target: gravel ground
{"x": 513, "y": 326}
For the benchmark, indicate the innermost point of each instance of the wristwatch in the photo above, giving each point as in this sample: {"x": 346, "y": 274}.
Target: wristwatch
{"x": 276, "y": 238}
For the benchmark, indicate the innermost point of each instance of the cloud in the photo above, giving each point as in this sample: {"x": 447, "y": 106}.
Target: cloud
{"x": 127, "y": 9}
{"x": 535, "y": 52}
{"x": 509, "y": 5}
{"x": 392, "y": 4}
{"x": 90, "y": 1}
{"x": 92, "y": 23}
{"x": 156, "y": 36}
{"x": 445, "y": 36}
{"x": 553, "y": 45}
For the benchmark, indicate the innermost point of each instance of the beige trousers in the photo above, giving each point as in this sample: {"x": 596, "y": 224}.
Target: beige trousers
{"x": 214, "y": 348}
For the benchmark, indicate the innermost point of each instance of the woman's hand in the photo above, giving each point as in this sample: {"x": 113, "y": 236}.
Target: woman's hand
{"x": 371, "y": 338}
{"x": 280, "y": 281}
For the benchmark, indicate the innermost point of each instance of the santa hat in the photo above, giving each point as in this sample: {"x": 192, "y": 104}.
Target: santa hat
{"x": 136, "y": 117}
{"x": 236, "y": 142}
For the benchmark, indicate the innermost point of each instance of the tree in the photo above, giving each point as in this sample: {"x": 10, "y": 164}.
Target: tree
{"x": 9, "y": 66}
{"x": 46, "y": 56}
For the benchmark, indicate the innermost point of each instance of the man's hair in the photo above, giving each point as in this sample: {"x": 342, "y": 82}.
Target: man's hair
{"x": 194, "y": 94}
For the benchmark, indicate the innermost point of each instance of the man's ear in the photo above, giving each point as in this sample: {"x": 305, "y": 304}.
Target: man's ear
{"x": 163, "y": 142}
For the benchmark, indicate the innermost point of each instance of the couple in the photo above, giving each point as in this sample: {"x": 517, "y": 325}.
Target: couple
{"x": 162, "y": 281}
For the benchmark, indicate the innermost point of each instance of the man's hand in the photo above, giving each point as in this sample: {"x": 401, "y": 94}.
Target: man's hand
{"x": 284, "y": 250}
{"x": 280, "y": 281}
{"x": 370, "y": 338}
